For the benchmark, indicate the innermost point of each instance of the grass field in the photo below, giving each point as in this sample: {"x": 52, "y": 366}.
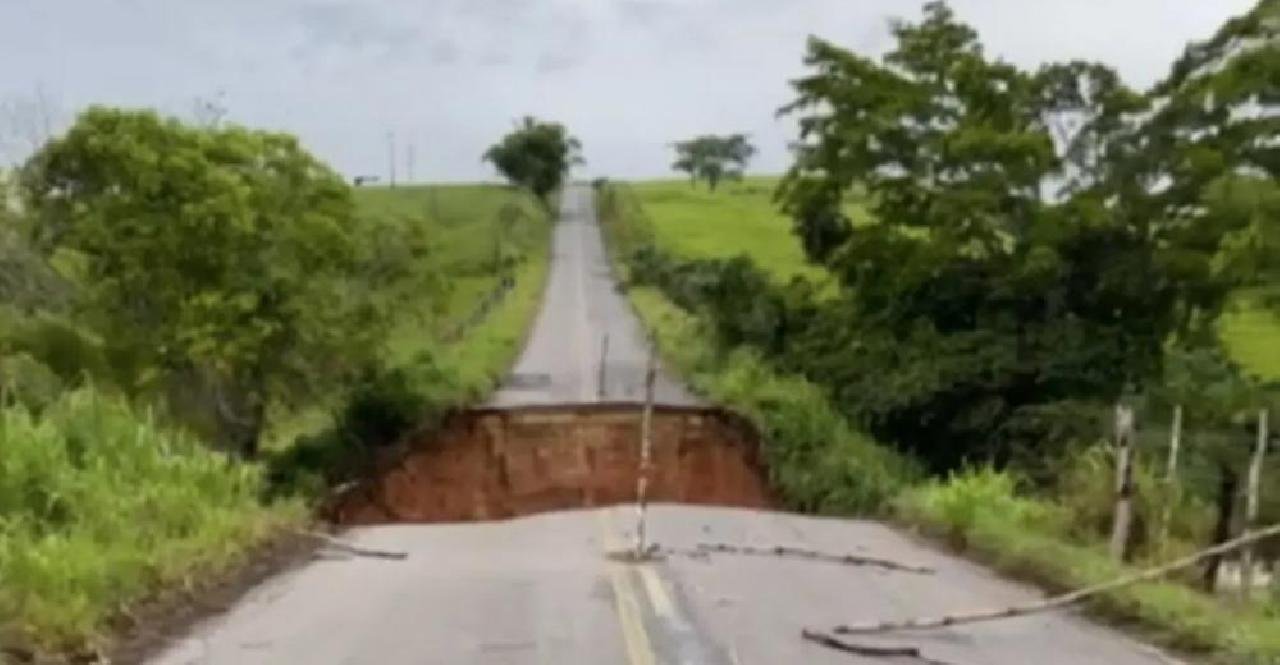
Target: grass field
{"x": 738, "y": 218}
{"x": 741, "y": 218}
{"x": 473, "y": 228}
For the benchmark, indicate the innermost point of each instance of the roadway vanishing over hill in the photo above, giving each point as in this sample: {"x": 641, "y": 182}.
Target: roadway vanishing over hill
{"x": 541, "y": 590}
{"x": 581, "y": 308}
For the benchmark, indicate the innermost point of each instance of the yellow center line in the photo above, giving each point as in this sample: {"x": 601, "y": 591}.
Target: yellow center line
{"x": 635, "y": 639}
{"x": 661, "y": 602}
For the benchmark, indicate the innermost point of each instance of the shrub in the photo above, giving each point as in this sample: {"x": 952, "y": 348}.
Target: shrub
{"x": 100, "y": 506}
{"x": 956, "y": 506}
{"x": 387, "y": 402}
{"x": 817, "y": 461}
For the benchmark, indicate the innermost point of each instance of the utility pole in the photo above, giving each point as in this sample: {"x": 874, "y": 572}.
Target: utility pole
{"x": 391, "y": 157}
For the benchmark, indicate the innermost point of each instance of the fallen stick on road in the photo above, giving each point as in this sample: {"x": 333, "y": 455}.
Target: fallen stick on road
{"x": 1059, "y": 601}
{"x": 352, "y": 549}
{"x": 802, "y": 553}
{"x": 867, "y": 651}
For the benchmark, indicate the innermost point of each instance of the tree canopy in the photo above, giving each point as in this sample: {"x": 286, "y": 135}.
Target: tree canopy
{"x": 712, "y": 158}
{"x": 217, "y": 259}
{"x": 536, "y": 155}
{"x": 1038, "y": 235}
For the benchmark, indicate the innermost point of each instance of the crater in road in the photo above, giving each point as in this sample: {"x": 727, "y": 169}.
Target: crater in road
{"x": 497, "y": 463}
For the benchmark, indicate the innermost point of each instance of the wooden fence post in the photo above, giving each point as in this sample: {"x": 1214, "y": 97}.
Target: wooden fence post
{"x": 1123, "y": 516}
{"x": 1171, "y": 475}
{"x": 1251, "y": 505}
{"x": 1175, "y": 442}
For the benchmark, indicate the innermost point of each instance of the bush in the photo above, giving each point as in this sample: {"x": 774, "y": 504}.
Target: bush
{"x": 958, "y": 504}
{"x": 387, "y": 402}
{"x": 1086, "y": 490}
{"x": 981, "y": 511}
{"x": 817, "y": 461}
{"x": 100, "y": 506}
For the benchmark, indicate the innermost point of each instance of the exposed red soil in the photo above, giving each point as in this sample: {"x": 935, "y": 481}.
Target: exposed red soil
{"x": 498, "y": 463}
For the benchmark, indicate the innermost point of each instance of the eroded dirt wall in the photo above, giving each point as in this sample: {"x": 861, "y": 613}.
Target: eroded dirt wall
{"x": 497, "y": 463}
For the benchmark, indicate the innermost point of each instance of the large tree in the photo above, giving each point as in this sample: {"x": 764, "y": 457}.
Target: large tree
{"x": 216, "y": 259}
{"x": 713, "y": 158}
{"x": 1017, "y": 257}
{"x": 536, "y": 155}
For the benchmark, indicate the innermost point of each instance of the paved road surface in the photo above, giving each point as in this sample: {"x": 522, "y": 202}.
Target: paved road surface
{"x": 561, "y": 363}
{"x": 540, "y": 590}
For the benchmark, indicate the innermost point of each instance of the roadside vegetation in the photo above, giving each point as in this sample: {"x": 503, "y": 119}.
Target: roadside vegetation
{"x": 954, "y": 314}
{"x": 201, "y": 329}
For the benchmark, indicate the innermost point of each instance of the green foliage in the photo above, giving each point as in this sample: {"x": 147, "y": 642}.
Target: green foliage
{"x": 536, "y": 155}
{"x": 421, "y": 374}
{"x": 974, "y": 301}
{"x": 387, "y": 402}
{"x": 220, "y": 254}
{"x": 961, "y": 501}
{"x": 736, "y": 219}
{"x": 100, "y": 505}
{"x": 1248, "y": 331}
{"x": 1085, "y": 491}
{"x": 1021, "y": 536}
{"x": 476, "y": 235}
{"x": 713, "y": 158}
{"x": 28, "y": 382}
{"x": 817, "y": 461}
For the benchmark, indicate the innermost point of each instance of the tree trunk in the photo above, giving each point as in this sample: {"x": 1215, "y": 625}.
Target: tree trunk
{"x": 1251, "y": 504}
{"x": 1123, "y": 518}
{"x": 1228, "y": 483}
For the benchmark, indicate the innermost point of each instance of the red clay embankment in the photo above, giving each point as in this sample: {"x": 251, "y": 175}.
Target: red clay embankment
{"x": 496, "y": 463}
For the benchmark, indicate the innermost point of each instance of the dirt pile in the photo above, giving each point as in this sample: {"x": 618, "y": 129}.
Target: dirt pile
{"x": 497, "y": 463}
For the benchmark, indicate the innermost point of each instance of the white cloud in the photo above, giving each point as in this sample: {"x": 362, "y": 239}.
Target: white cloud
{"x": 628, "y": 76}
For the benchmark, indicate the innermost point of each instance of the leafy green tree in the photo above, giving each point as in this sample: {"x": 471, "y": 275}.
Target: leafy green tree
{"x": 1211, "y": 142}
{"x": 1018, "y": 258}
{"x": 218, "y": 260}
{"x": 536, "y": 155}
{"x": 713, "y": 158}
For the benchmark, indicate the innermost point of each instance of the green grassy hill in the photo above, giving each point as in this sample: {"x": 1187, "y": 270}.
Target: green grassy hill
{"x": 465, "y": 224}
{"x": 473, "y": 229}
{"x": 741, "y": 218}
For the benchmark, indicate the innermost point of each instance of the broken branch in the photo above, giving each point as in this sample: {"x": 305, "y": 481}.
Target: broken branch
{"x": 1059, "y": 601}
{"x": 812, "y": 555}
{"x": 353, "y": 549}
{"x": 864, "y": 650}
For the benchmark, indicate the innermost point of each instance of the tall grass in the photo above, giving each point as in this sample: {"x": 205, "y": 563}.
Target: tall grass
{"x": 981, "y": 512}
{"x": 100, "y": 506}
{"x": 478, "y": 233}
{"x": 818, "y": 462}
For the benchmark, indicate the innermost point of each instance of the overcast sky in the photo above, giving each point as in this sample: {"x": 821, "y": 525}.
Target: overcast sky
{"x": 448, "y": 76}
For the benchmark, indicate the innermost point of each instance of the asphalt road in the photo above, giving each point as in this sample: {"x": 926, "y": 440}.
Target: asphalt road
{"x": 581, "y": 308}
{"x": 541, "y": 590}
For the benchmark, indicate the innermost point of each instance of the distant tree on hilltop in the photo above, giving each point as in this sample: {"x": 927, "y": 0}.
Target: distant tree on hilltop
{"x": 536, "y": 155}
{"x": 713, "y": 158}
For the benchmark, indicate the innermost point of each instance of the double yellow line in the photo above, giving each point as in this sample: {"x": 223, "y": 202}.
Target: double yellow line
{"x": 626, "y": 598}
